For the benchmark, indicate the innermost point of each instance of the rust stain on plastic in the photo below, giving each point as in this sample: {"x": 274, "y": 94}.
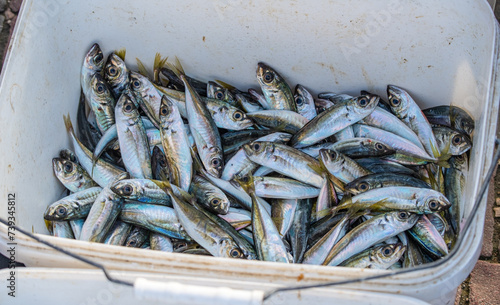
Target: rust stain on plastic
{"x": 203, "y": 38}
{"x": 300, "y": 277}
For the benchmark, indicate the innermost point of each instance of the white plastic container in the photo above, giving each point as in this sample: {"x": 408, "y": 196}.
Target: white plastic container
{"x": 442, "y": 52}
{"x": 44, "y": 286}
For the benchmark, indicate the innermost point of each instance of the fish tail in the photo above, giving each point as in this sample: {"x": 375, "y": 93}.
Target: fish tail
{"x": 225, "y": 85}
{"x": 68, "y": 124}
{"x": 121, "y": 53}
{"x": 141, "y": 68}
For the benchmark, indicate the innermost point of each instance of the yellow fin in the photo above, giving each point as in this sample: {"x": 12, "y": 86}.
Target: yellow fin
{"x": 225, "y": 85}
{"x": 158, "y": 64}
{"x": 141, "y": 68}
{"x": 121, "y": 53}
{"x": 178, "y": 66}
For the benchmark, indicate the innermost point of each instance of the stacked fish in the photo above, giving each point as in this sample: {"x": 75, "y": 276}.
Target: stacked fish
{"x": 171, "y": 163}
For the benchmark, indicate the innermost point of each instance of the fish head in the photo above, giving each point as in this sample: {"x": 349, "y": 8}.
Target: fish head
{"x": 67, "y": 154}
{"x": 302, "y": 96}
{"x": 240, "y": 118}
{"x": 388, "y": 254}
{"x": 219, "y": 204}
{"x": 434, "y": 203}
{"x": 404, "y": 217}
{"x": 460, "y": 143}
{"x": 64, "y": 169}
{"x": 360, "y": 186}
{"x": 459, "y": 162}
{"x": 114, "y": 69}
{"x": 127, "y": 107}
{"x": 100, "y": 89}
{"x": 94, "y": 59}
{"x": 127, "y": 188}
{"x": 267, "y": 76}
{"x": 168, "y": 110}
{"x": 465, "y": 124}
{"x": 331, "y": 158}
{"x": 363, "y": 103}
{"x": 215, "y": 91}
{"x": 228, "y": 248}
{"x": 379, "y": 148}
{"x": 60, "y": 211}
{"x": 258, "y": 148}
{"x": 215, "y": 163}
{"x": 138, "y": 82}
{"x": 399, "y": 100}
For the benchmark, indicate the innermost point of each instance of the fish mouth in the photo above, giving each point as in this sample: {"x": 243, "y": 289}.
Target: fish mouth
{"x": 57, "y": 164}
{"x": 261, "y": 68}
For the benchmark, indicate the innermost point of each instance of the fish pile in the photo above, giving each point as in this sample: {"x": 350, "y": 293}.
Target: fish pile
{"x": 166, "y": 162}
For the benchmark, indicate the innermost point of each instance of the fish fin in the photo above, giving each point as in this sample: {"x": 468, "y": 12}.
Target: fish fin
{"x": 142, "y": 69}
{"x": 68, "y": 124}
{"x": 435, "y": 151}
{"x": 225, "y": 85}
{"x": 246, "y": 182}
{"x": 197, "y": 163}
{"x": 121, "y": 53}
{"x": 178, "y": 66}
{"x": 343, "y": 204}
{"x": 323, "y": 213}
{"x": 159, "y": 63}
{"x": 432, "y": 178}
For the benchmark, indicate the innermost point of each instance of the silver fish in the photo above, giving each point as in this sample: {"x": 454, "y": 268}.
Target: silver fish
{"x": 175, "y": 144}
{"x": 133, "y": 140}
{"x": 204, "y": 131}
{"x": 72, "y": 175}
{"x": 369, "y": 233}
{"x": 405, "y": 108}
{"x": 276, "y": 91}
{"x": 333, "y": 120}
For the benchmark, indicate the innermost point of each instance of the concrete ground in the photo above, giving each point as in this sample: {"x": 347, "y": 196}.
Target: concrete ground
{"x": 480, "y": 288}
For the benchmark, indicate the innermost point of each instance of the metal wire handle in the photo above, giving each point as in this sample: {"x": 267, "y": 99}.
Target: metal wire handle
{"x": 270, "y": 293}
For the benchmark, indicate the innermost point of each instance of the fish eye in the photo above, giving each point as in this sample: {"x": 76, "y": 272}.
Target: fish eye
{"x": 235, "y": 252}
{"x": 98, "y": 58}
{"x": 433, "y": 205}
{"x": 363, "y": 186}
{"x": 61, "y": 211}
{"x": 299, "y": 101}
{"x": 162, "y": 162}
{"x": 100, "y": 88}
{"x": 394, "y": 102}
{"x": 457, "y": 139}
{"x": 131, "y": 243}
{"x": 136, "y": 84}
{"x": 379, "y": 146}
{"x": 127, "y": 189}
{"x": 256, "y": 146}
{"x": 462, "y": 124}
{"x": 164, "y": 111}
{"x": 68, "y": 167}
{"x": 387, "y": 251}
{"x": 363, "y": 102}
{"x": 238, "y": 115}
{"x": 460, "y": 157}
{"x": 112, "y": 71}
{"x": 128, "y": 107}
{"x": 333, "y": 154}
{"x": 403, "y": 215}
{"x": 219, "y": 94}
{"x": 215, "y": 162}
{"x": 215, "y": 202}
{"x": 268, "y": 77}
